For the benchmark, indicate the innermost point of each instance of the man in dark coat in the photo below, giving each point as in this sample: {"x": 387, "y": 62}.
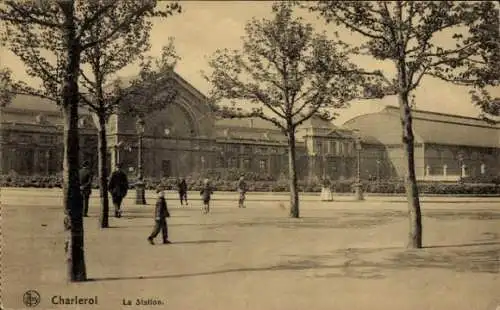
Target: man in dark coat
{"x": 118, "y": 187}
{"x": 242, "y": 190}
{"x": 182, "y": 188}
{"x": 161, "y": 214}
{"x": 85, "y": 186}
{"x": 206, "y": 194}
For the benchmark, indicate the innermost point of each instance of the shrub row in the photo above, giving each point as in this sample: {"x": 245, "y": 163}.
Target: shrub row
{"x": 271, "y": 186}
{"x": 482, "y": 179}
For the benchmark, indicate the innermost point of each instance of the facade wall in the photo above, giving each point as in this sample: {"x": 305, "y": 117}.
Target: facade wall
{"x": 374, "y": 164}
{"x": 29, "y": 150}
{"x": 40, "y": 153}
{"x": 393, "y": 162}
{"x": 185, "y": 138}
{"x": 443, "y": 160}
{"x": 395, "y": 156}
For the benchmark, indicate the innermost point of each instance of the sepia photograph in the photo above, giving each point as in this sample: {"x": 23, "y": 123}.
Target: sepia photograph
{"x": 249, "y": 155}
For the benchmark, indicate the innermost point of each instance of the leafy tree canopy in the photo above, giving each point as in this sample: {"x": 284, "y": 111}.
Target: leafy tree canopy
{"x": 33, "y": 30}
{"x": 454, "y": 41}
{"x": 287, "y": 73}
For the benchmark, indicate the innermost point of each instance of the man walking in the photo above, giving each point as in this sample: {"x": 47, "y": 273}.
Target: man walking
{"x": 118, "y": 187}
{"x": 242, "y": 190}
{"x": 182, "y": 188}
{"x": 161, "y": 214}
{"x": 85, "y": 186}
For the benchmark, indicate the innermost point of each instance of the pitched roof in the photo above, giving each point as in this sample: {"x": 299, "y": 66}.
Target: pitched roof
{"x": 316, "y": 122}
{"x": 429, "y": 127}
{"x": 26, "y": 102}
{"x": 252, "y": 122}
{"x": 35, "y": 104}
{"x": 127, "y": 80}
{"x": 249, "y": 129}
{"x": 443, "y": 117}
{"x": 256, "y": 122}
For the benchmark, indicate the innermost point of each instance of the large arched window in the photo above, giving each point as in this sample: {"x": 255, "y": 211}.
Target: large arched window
{"x": 174, "y": 120}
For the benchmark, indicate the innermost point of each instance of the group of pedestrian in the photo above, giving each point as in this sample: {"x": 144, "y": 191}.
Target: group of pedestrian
{"x": 118, "y": 186}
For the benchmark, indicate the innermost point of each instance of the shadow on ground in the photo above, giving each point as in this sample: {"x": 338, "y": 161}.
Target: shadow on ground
{"x": 369, "y": 263}
{"x": 343, "y": 219}
{"x": 201, "y": 242}
{"x": 470, "y": 215}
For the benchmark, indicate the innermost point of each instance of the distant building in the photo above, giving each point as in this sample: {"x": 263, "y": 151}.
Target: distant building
{"x": 446, "y": 146}
{"x": 186, "y": 137}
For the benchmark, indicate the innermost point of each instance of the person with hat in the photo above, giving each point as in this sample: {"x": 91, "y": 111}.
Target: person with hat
{"x": 206, "y": 194}
{"x": 118, "y": 187}
{"x": 182, "y": 189}
{"x": 161, "y": 214}
{"x": 86, "y": 177}
{"x": 242, "y": 190}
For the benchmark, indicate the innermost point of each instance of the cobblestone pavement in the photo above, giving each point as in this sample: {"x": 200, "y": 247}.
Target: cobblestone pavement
{"x": 339, "y": 255}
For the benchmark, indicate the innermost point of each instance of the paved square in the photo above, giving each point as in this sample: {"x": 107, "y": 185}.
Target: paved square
{"x": 339, "y": 255}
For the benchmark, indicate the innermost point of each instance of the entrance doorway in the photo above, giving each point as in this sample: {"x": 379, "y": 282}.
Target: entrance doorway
{"x": 166, "y": 168}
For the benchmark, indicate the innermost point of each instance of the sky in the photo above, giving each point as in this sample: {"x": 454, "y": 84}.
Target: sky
{"x": 205, "y": 26}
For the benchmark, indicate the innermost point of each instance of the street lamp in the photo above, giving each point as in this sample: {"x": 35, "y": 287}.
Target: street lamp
{"x": 358, "y": 187}
{"x": 47, "y": 162}
{"x": 323, "y": 163}
{"x": 140, "y": 197}
{"x": 461, "y": 164}
{"x": 312, "y": 166}
{"x": 202, "y": 163}
{"x": 378, "y": 171}
{"x": 116, "y": 148}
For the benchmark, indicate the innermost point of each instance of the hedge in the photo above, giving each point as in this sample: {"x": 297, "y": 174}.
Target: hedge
{"x": 195, "y": 183}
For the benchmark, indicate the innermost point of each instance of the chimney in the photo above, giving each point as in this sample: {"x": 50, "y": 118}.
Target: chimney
{"x": 251, "y": 123}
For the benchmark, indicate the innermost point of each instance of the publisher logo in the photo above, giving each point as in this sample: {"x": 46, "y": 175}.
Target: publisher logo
{"x": 31, "y": 298}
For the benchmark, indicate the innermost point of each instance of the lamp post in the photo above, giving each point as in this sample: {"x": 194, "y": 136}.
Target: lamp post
{"x": 358, "y": 187}
{"x": 312, "y": 167}
{"x": 323, "y": 162}
{"x": 116, "y": 148}
{"x": 47, "y": 162}
{"x": 378, "y": 170}
{"x": 140, "y": 197}
{"x": 202, "y": 163}
{"x": 461, "y": 164}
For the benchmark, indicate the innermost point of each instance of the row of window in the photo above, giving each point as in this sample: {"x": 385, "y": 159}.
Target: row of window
{"x": 43, "y": 139}
{"x": 29, "y": 161}
{"x": 333, "y": 147}
{"x": 247, "y": 149}
{"x": 459, "y": 155}
{"x": 463, "y": 170}
{"x": 246, "y": 163}
{"x": 50, "y": 139}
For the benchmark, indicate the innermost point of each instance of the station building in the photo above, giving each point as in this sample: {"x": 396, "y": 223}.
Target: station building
{"x": 186, "y": 137}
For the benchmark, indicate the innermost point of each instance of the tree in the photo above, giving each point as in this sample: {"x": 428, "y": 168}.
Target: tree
{"x": 411, "y": 35}
{"x": 489, "y": 106}
{"x": 288, "y": 74}
{"x": 6, "y": 92}
{"x": 106, "y": 59}
{"x": 61, "y": 29}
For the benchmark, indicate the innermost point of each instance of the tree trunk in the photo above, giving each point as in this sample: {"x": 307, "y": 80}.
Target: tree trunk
{"x": 414, "y": 212}
{"x": 103, "y": 172}
{"x": 404, "y": 82}
{"x": 292, "y": 172}
{"x": 73, "y": 204}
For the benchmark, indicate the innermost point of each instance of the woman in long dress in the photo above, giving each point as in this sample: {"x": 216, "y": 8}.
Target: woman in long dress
{"x": 326, "y": 192}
